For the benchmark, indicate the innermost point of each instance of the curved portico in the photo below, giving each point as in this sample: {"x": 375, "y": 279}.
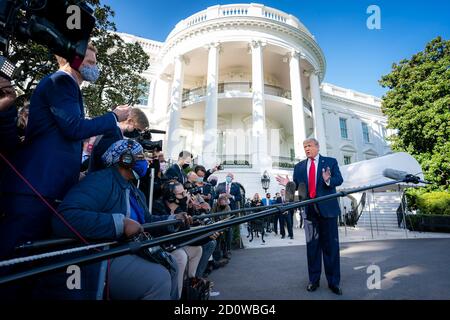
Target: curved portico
{"x": 243, "y": 73}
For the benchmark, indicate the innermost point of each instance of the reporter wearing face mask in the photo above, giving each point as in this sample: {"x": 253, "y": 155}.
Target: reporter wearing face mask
{"x": 176, "y": 171}
{"x": 50, "y": 157}
{"x": 106, "y": 205}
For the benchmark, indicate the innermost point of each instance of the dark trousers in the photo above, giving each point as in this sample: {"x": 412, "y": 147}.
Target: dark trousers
{"x": 286, "y": 220}
{"x": 322, "y": 239}
{"x": 275, "y": 219}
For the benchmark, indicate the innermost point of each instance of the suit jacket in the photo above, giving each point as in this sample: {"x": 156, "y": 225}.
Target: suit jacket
{"x": 329, "y": 208}
{"x": 175, "y": 172}
{"x": 97, "y": 205}
{"x": 50, "y": 157}
{"x": 234, "y": 191}
{"x": 264, "y": 202}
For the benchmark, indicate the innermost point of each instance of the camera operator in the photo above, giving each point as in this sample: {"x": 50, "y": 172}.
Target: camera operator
{"x": 50, "y": 157}
{"x": 207, "y": 191}
{"x": 136, "y": 122}
{"x": 8, "y": 115}
{"x": 196, "y": 203}
{"x": 173, "y": 200}
{"x": 199, "y": 194}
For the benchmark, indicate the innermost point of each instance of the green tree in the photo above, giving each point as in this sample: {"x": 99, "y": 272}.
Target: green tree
{"x": 120, "y": 63}
{"x": 418, "y": 108}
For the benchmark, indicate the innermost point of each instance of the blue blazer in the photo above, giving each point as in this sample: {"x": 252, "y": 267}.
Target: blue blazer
{"x": 50, "y": 157}
{"x": 329, "y": 208}
{"x": 264, "y": 202}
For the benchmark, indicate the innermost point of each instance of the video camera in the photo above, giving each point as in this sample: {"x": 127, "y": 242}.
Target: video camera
{"x": 145, "y": 139}
{"x": 192, "y": 188}
{"x": 63, "y": 26}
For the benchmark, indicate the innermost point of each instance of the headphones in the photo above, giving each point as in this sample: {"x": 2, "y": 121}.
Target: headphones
{"x": 127, "y": 159}
{"x": 169, "y": 191}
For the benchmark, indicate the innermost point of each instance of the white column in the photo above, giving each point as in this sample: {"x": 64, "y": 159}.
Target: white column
{"x": 298, "y": 114}
{"x": 319, "y": 127}
{"x": 197, "y": 140}
{"x": 259, "y": 141}
{"x": 211, "y": 111}
{"x": 152, "y": 95}
{"x": 176, "y": 102}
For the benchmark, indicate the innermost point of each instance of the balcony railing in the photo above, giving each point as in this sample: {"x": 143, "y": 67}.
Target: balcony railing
{"x": 239, "y": 10}
{"x": 236, "y": 161}
{"x": 235, "y": 87}
{"x": 241, "y": 87}
{"x": 284, "y": 162}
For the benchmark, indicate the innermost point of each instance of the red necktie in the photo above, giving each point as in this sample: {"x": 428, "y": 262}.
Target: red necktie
{"x": 312, "y": 180}
{"x": 228, "y": 188}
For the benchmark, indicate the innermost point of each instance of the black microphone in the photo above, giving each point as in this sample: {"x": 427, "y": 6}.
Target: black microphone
{"x": 402, "y": 176}
{"x": 290, "y": 191}
{"x": 302, "y": 191}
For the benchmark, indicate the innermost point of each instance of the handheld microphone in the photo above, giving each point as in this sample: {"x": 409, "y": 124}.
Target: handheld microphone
{"x": 302, "y": 191}
{"x": 290, "y": 191}
{"x": 402, "y": 176}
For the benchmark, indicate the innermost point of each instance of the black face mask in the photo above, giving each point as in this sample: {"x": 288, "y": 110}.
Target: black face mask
{"x": 182, "y": 202}
{"x": 185, "y": 166}
{"x": 213, "y": 183}
{"x": 131, "y": 135}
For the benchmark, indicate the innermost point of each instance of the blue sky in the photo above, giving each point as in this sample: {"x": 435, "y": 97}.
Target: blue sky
{"x": 356, "y": 56}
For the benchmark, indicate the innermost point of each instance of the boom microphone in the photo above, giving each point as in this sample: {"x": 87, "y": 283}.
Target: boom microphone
{"x": 402, "y": 176}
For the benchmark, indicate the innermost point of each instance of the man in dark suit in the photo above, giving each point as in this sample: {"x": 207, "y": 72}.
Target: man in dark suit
{"x": 176, "y": 171}
{"x": 285, "y": 218}
{"x": 50, "y": 157}
{"x": 320, "y": 175}
{"x": 231, "y": 190}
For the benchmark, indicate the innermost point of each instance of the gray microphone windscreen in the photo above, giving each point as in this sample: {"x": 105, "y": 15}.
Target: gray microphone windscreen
{"x": 394, "y": 174}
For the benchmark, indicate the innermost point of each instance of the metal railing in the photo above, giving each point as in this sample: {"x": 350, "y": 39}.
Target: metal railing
{"x": 352, "y": 217}
{"x": 284, "y": 162}
{"x": 134, "y": 247}
{"x": 239, "y": 160}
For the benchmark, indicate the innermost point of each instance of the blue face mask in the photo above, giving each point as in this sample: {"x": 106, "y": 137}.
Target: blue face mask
{"x": 140, "y": 169}
{"x": 229, "y": 179}
{"x": 90, "y": 73}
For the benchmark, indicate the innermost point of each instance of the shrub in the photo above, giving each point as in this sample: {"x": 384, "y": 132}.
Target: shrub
{"x": 437, "y": 203}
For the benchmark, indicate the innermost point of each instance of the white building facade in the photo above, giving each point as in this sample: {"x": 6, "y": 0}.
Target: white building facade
{"x": 242, "y": 85}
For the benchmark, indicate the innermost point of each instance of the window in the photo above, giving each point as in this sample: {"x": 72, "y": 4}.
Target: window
{"x": 365, "y": 129}
{"x": 343, "y": 125}
{"x": 143, "y": 99}
{"x": 347, "y": 160}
